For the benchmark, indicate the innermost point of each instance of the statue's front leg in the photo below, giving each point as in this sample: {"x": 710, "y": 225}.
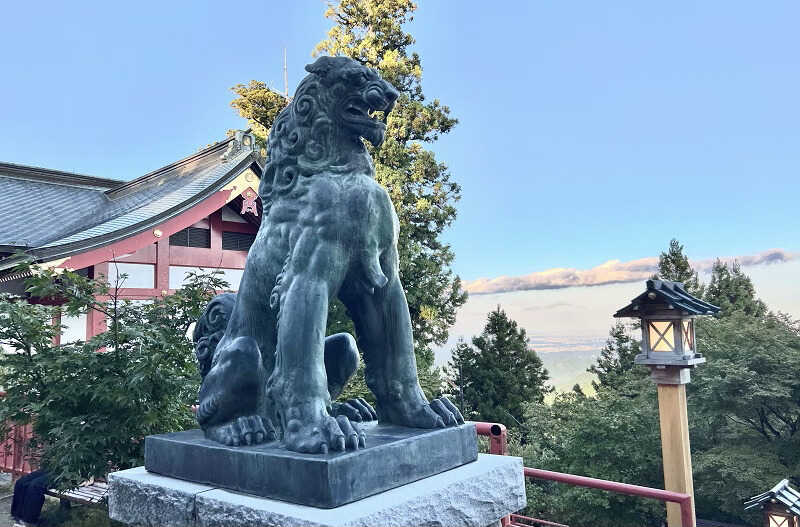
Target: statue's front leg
{"x": 298, "y": 387}
{"x": 383, "y": 327}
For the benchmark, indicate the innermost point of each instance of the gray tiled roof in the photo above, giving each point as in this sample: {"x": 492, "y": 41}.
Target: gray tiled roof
{"x": 54, "y": 214}
{"x": 781, "y": 493}
{"x": 32, "y": 212}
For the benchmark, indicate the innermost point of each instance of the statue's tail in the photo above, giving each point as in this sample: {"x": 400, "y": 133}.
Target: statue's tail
{"x": 210, "y": 328}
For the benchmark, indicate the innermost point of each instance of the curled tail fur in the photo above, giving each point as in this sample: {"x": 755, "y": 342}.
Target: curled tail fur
{"x": 210, "y": 328}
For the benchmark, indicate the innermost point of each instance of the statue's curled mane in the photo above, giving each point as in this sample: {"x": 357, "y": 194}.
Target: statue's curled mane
{"x": 306, "y": 138}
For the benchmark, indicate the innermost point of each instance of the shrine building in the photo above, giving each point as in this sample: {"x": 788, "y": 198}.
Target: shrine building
{"x": 202, "y": 211}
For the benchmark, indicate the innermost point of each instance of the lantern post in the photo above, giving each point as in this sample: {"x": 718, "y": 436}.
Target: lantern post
{"x": 667, "y": 314}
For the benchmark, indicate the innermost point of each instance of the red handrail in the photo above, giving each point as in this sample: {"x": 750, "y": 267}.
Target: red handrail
{"x": 683, "y": 500}
{"x": 515, "y": 518}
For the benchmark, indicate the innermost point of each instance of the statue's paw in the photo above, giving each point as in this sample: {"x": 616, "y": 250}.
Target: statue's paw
{"x": 245, "y": 430}
{"x": 439, "y": 413}
{"x": 447, "y": 411}
{"x": 357, "y": 410}
{"x": 327, "y": 435}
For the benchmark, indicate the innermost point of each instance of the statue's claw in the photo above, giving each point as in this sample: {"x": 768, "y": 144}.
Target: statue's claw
{"x": 357, "y": 410}
{"x": 447, "y": 411}
{"x": 439, "y": 413}
{"x": 328, "y": 435}
{"x": 245, "y": 430}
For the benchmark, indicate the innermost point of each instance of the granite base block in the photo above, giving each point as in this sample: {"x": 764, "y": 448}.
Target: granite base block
{"x": 474, "y": 495}
{"x": 140, "y": 498}
{"x": 394, "y": 456}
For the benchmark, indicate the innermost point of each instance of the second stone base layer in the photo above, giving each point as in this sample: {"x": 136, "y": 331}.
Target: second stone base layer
{"x": 474, "y": 495}
{"x": 394, "y": 456}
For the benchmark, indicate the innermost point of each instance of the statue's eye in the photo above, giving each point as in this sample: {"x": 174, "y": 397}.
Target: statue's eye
{"x": 363, "y": 78}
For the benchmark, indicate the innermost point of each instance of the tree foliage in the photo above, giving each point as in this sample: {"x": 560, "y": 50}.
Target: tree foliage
{"x": 614, "y": 436}
{"x": 260, "y": 105}
{"x": 733, "y": 291}
{"x": 616, "y": 357}
{"x": 674, "y": 265}
{"x": 91, "y": 403}
{"x": 744, "y": 413}
{"x": 500, "y": 373}
{"x": 745, "y": 409}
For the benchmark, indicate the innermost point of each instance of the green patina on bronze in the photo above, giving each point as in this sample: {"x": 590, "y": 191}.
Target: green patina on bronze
{"x": 329, "y": 230}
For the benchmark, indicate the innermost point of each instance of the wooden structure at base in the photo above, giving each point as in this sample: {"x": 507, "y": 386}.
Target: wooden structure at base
{"x": 93, "y": 494}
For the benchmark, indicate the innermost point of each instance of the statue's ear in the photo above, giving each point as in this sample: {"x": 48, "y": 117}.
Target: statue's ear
{"x": 321, "y": 66}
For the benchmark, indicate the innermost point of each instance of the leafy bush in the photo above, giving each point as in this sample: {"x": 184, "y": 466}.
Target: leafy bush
{"x": 92, "y": 403}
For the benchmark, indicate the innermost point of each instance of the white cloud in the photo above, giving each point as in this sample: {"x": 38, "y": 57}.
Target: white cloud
{"x": 611, "y": 272}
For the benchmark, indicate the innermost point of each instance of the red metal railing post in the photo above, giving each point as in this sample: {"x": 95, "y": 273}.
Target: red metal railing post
{"x": 498, "y": 437}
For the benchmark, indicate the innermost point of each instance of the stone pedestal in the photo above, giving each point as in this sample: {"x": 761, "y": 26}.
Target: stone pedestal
{"x": 477, "y": 494}
{"x": 394, "y": 456}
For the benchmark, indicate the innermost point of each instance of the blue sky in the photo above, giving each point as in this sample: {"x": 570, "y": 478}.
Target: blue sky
{"x": 588, "y": 131}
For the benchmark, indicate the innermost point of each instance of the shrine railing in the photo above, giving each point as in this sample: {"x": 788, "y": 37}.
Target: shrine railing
{"x": 498, "y": 444}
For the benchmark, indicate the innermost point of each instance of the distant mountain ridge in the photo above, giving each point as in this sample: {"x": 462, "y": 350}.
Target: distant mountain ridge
{"x": 566, "y": 357}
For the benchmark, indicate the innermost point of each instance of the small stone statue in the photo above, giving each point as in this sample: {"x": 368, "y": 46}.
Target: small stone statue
{"x": 329, "y": 229}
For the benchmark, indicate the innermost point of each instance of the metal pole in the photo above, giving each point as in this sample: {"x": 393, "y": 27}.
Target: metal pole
{"x": 285, "y": 76}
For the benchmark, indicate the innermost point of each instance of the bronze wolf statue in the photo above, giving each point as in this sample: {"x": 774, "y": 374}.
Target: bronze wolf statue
{"x": 329, "y": 229}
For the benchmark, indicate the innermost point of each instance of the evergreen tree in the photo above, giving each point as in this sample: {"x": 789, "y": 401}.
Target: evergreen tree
{"x": 260, "y": 105}
{"x": 616, "y": 358}
{"x": 674, "y": 265}
{"x": 372, "y": 32}
{"x": 500, "y": 373}
{"x": 733, "y": 291}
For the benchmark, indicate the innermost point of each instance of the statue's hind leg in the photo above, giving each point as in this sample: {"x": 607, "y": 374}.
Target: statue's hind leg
{"x": 383, "y": 328}
{"x": 228, "y": 410}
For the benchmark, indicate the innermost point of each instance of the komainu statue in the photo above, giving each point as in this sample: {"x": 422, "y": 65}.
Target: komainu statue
{"x": 329, "y": 229}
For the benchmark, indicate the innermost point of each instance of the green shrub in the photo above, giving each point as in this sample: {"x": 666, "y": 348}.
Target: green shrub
{"x": 92, "y": 403}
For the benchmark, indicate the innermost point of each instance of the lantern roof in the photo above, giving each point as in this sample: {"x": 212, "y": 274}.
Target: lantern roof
{"x": 663, "y": 294}
{"x": 781, "y": 493}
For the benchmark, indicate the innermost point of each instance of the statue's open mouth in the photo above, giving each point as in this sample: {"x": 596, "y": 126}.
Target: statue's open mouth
{"x": 362, "y": 113}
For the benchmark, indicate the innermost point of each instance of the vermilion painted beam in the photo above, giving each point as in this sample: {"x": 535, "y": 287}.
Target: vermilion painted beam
{"x": 198, "y": 257}
{"x": 95, "y": 320}
{"x": 162, "y": 265}
{"x": 145, "y": 255}
{"x": 215, "y": 220}
{"x": 232, "y": 226}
